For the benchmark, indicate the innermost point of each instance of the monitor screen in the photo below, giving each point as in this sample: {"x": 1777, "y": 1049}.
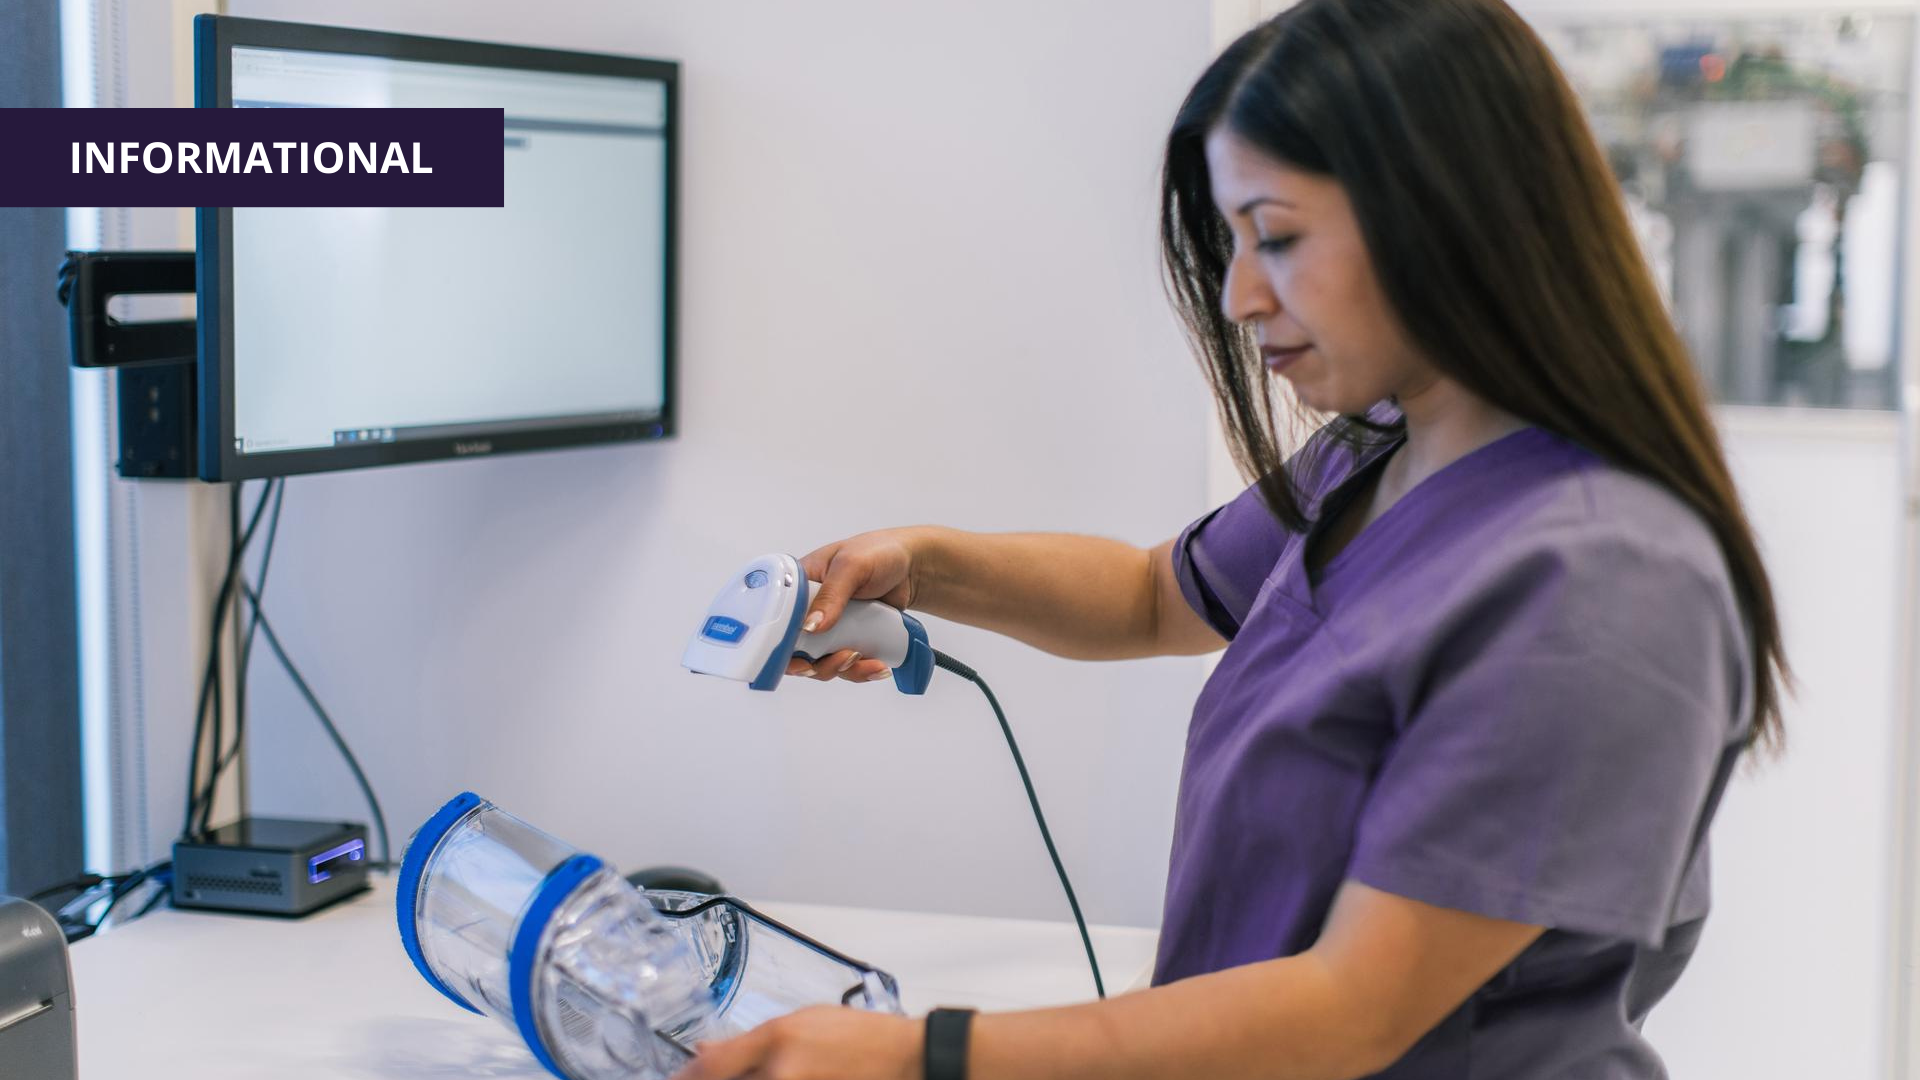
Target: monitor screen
{"x": 341, "y": 337}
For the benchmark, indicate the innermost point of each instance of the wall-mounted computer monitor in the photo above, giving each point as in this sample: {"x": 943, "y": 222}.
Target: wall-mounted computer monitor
{"x": 339, "y": 338}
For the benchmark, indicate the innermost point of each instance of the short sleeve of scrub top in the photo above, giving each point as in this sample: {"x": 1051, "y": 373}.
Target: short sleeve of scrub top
{"x": 1220, "y": 577}
{"x": 1518, "y": 693}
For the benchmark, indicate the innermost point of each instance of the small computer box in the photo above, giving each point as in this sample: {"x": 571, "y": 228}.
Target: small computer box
{"x": 270, "y": 866}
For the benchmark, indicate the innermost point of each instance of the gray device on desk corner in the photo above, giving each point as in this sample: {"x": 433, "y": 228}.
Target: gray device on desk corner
{"x": 36, "y": 994}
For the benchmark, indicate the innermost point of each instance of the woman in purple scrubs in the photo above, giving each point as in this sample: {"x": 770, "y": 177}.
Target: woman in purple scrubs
{"x": 1495, "y": 636}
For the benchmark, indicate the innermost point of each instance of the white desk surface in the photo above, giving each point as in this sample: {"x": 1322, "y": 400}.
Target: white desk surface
{"x": 233, "y": 997}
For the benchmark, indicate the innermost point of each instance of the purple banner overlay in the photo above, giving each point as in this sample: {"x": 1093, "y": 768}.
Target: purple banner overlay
{"x": 254, "y": 157}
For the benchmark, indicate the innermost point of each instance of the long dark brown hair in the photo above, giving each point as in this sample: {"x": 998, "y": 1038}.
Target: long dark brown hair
{"x": 1500, "y": 239}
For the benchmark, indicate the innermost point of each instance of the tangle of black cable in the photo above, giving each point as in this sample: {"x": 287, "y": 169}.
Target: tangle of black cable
{"x": 277, "y": 489}
{"x": 210, "y": 682}
{"x": 340, "y": 744}
{"x": 70, "y": 913}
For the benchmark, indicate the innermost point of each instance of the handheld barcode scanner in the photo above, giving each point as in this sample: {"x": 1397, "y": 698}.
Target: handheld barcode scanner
{"x": 753, "y": 628}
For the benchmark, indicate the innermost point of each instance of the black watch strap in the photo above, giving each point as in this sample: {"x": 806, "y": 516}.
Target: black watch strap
{"x": 946, "y": 1050}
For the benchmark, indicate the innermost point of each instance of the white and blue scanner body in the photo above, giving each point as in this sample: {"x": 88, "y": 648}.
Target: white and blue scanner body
{"x": 753, "y": 627}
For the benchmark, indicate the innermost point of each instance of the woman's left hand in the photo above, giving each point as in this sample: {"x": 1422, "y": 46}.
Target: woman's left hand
{"x": 829, "y": 1042}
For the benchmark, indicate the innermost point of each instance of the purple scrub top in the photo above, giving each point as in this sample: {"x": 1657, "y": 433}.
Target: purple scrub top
{"x": 1519, "y": 692}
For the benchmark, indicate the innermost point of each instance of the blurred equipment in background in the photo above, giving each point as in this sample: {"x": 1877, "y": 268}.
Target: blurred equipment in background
{"x": 1762, "y": 161}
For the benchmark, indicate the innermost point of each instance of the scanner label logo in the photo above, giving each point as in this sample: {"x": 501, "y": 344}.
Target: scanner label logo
{"x": 724, "y": 630}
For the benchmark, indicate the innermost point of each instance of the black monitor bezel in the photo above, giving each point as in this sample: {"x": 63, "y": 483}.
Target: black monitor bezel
{"x": 215, "y": 38}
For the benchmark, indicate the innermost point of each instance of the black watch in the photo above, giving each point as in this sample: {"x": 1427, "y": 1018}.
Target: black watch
{"x": 945, "y": 1057}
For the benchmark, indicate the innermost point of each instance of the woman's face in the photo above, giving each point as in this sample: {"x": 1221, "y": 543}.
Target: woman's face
{"x": 1301, "y": 277}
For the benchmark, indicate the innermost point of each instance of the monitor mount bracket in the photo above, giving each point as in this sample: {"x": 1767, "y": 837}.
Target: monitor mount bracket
{"x": 157, "y": 361}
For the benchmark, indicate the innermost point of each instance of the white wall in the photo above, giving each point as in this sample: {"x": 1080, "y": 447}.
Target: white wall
{"x": 1791, "y": 977}
{"x": 919, "y": 285}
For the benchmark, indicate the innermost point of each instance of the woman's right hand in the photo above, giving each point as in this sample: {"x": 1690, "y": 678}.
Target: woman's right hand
{"x": 871, "y": 566}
